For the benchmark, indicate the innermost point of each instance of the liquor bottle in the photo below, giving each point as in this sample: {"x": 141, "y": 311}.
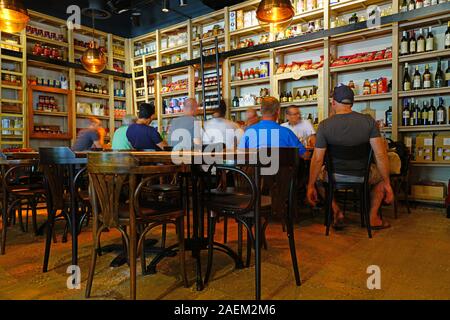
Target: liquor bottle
{"x": 411, "y": 5}
{"x": 388, "y": 117}
{"x": 290, "y": 99}
{"x": 298, "y": 96}
{"x": 429, "y": 44}
{"x": 417, "y": 84}
{"x": 406, "y": 79}
{"x": 281, "y": 97}
{"x": 424, "y": 113}
{"x": 404, "y": 6}
{"x": 447, "y": 36}
{"x": 235, "y": 102}
{"x": 417, "y": 115}
{"x": 411, "y": 112}
{"x": 420, "y": 42}
{"x": 427, "y": 3}
{"x": 412, "y": 43}
{"x": 441, "y": 112}
{"x": 316, "y": 121}
{"x": 304, "y": 95}
{"x": 419, "y": 4}
{"x": 434, "y": 2}
{"x": 439, "y": 77}
{"x": 447, "y": 75}
{"x": 432, "y": 113}
{"x": 404, "y": 44}
{"x": 311, "y": 95}
{"x": 427, "y": 78}
{"x": 405, "y": 113}
{"x": 310, "y": 118}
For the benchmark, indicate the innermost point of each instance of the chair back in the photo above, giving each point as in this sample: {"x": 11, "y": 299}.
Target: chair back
{"x": 52, "y": 161}
{"x": 108, "y": 175}
{"x": 362, "y": 153}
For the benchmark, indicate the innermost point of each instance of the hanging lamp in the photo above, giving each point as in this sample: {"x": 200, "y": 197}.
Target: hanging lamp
{"x": 275, "y": 11}
{"x": 93, "y": 59}
{"x": 13, "y": 16}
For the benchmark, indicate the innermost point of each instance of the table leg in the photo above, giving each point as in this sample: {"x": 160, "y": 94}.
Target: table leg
{"x": 4, "y": 215}
{"x": 258, "y": 235}
{"x": 196, "y": 248}
{"x": 73, "y": 215}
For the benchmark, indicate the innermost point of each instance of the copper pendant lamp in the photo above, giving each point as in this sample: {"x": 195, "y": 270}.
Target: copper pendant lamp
{"x": 93, "y": 59}
{"x": 275, "y": 11}
{"x": 13, "y": 16}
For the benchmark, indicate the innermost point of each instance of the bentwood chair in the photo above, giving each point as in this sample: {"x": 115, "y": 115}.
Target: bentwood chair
{"x": 240, "y": 204}
{"x": 400, "y": 181}
{"x": 118, "y": 203}
{"x": 360, "y": 154}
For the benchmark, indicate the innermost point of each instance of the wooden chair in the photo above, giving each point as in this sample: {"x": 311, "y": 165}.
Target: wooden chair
{"x": 110, "y": 174}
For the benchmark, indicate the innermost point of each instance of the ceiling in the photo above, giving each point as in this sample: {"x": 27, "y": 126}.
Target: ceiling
{"x": 120, "y": 24}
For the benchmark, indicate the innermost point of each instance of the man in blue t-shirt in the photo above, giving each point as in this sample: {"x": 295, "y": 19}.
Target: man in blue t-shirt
{"x": 141, "y": 135}
{"x": 267, "y": 132}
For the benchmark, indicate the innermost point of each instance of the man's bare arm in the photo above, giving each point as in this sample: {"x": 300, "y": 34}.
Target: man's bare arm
{"x": 381, "y": 157}
{"x": 316, "y": 165}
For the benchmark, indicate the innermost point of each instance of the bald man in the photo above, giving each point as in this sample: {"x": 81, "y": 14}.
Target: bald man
{"x": 184, "y": 131}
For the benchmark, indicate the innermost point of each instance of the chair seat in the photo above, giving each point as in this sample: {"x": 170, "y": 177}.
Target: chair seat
{"x": 151, "y": 211}
{"x": 162, "y": 188}
{"x": 229, "y": 202}
{"x": 25, "y": 192}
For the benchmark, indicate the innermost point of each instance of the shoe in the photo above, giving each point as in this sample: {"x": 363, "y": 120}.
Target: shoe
{"x": 384, "y": 225}
{"x": 339, "y": 225}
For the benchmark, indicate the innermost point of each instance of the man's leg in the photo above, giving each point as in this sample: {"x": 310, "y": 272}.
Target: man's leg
{"x": 377, "y": 196}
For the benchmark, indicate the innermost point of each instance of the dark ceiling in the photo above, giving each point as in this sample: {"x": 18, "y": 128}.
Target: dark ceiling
{"x": 120, "y": 24}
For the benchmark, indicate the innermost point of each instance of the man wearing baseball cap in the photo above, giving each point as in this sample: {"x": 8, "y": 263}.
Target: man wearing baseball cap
{"x": 348, "y": 128}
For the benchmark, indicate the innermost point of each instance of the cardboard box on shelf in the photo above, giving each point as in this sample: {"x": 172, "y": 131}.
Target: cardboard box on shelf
{"x": 239, "y": 19}
{"x": 442, "y": 147}
{"x": 428, "y": 192}
{"x": 424, "y": 147}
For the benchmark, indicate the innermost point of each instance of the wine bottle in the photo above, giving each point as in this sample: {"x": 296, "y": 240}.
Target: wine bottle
{"x": 404, "y": 44}
{"x": 427, "y": 78}
{"x": 420, "y": 42}
{"x": 427, "y": 3}
{"x": 405, "y": 113}
{"x": 411, "y": 112}
{"x": 439, "y": 77}
{"x": 388, "y": 117}
{"x": 404, "y": 6}
{"x": 417, "y": 116}
{"x": 411, "y": 5}
{"x": 412, "y": 43}
{"x": 431, "y": 113}
{"x": 447, "y": 36}
{"x": 447, "y": 74}
{"x": 441, "y": 112}
{"x": 298, "y": 96}
{"x": 406, "y": 79}
{"x": 424, "y": 113}
{"x": 235, "y": 102}
{"x": 417, "y": 84}
{"x": 429, "y": 44}
{"x": 419, "y": 4}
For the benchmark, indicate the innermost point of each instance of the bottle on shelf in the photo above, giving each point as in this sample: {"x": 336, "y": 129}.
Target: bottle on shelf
{"x": 417, "y": 115}
{"x": 388, "y": 117}
{"x": 447, "y": 36}
{"x": 447, "y": 75}
{"x": 405, "y": 113}
{"x": 441, "y": 113}
{"x": 432, "y": 113}
{"x": 429, "y": 44}
{"x": 235, "y": 102}
{"x": 404, "y": 44}
{"x": 424, "y": 113}
{"x": 411, "y": 5}
{"x": 412, "y": 43}
{"x": 420, "y": 45}
{"x": 419, "y": 4}
{"x": 439, "y": 76}
{"x": 298, "y": 96}
{"x": 427, "y": 78}
{"x": 417, "y": 79}
{"x": 411, "y": 113}
{"x": 427, "y": 3}
{"x": 404, "y": 6}
{"x": 406, "y": 79}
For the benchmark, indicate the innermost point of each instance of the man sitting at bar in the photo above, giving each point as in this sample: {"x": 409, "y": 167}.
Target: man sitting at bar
{"x": 260, "y": 134}
{"x": 141, "y": 135}
{"x": 252, "y": 117}
{"x": 349, "y": 128}
{"x": 220, "y": 130}
{"x": 120, "y": 140}
{"x": 185, "y": 131}
{"x": 91, "y": 137}
{"x": 301, "y": 128}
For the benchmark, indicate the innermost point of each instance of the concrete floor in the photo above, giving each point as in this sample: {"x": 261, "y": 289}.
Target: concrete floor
{"x": 413, "y": 257}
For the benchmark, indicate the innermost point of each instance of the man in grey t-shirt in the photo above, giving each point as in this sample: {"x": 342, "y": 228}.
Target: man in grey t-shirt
{"x": 185, "y": 131}
{"x": 349, "y": 128}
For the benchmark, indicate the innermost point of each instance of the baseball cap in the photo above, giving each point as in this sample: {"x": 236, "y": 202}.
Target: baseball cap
{"x": 343, "y": 94}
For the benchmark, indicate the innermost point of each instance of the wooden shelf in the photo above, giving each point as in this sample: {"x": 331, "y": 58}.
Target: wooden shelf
{"x": 172, "y": 115}
{"x": 86, "y": 116}
{"x": 353, "y": 5}
{"x": 430, "y": 164}
{"x": 65, "y": 136}
{"x": 50, "y": 114}
{"x": 175, "y": 93}
{"x": 46, "y": 65}
{"x": 362, "y": 66}
{"x": 92, "y": 95}
{"x": 11, "y": 101}
{"x": 245, "y": 108}
{"x": 299, "y": 104}
{"x": 424, "y": 128}
{"x": 120, "y": 98}
{"x": 209, "y": 40}
{"x": 174, "y": 50}
{"x": 297, "y": 75}
{"x": 424, "y": 92}
{"x": 370, "y": 97}
{"x": 246, "y": 31}
{"x": 425, "y": 56}
{"x": 210, "y": 88}
{"x": 49, "y": 89}
{"x": 250, "y": 82}
{"x": 47, "y": 40}
{"x": 12, "y": 87}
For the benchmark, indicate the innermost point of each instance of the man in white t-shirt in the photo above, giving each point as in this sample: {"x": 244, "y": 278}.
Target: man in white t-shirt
{"x": 220, "y": 130}
{"x": 301, "y": 128}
